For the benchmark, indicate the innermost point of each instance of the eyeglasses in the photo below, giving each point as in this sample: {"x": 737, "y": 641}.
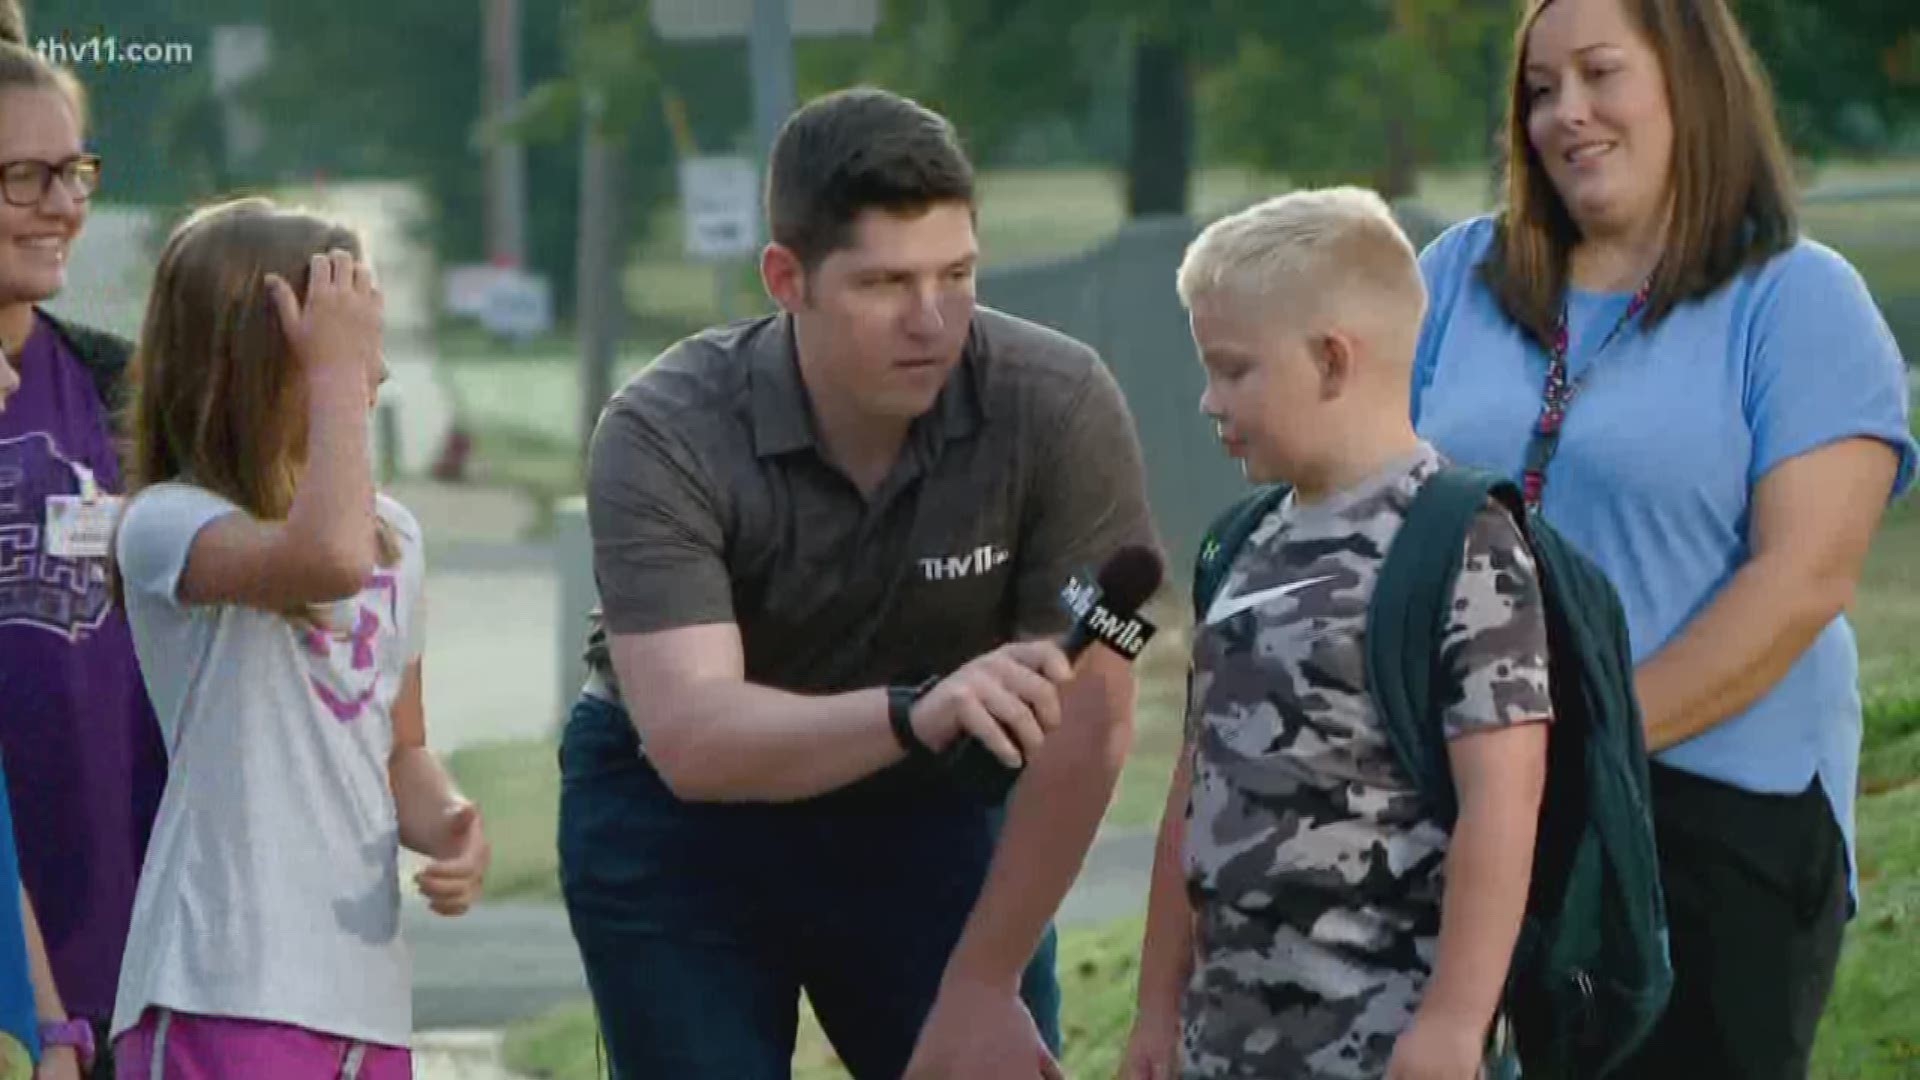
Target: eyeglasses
{"x": 26, "y": 183}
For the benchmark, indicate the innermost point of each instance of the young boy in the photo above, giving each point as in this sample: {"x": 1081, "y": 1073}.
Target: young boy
{"x": 1306, "y": 918}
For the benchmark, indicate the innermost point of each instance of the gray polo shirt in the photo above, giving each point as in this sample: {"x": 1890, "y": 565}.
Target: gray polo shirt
{"x": 710, "y": 500}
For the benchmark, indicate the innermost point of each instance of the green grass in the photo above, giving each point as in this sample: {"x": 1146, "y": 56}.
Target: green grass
{"x": 1159, "y": 716}
{"x": 521, "y": 404}
{"x": 529, "y": 460}
{"x": 1886, "y": 619}
{"x": 1098, "y": 968}
{"x": 1870, "y": 1031}
{"x": 517, "y": 786}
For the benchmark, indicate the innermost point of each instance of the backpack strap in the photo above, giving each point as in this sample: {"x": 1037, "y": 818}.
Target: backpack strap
{"x": 1407, "y": 620}
{"x": 1222, "y": 542}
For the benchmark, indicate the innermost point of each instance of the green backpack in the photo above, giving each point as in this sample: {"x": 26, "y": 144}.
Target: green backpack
{"x": 1590, "y": 973}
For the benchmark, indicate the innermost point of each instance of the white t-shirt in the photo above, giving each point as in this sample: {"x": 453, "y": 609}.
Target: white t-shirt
{"x": 271, "y": 887}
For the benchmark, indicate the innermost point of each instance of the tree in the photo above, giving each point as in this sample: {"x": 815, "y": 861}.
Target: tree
{"x": 1315, "y": 88}
{"x": 1369, "y": 92}
{"x": 654, "y": 102}
{"x": 1160, "y": 132}
{"x": 146, "y": 120}
{"x": 1009, "y": 72}
{"x": 356, "y": 88}
{"x": 1847, "y": 72}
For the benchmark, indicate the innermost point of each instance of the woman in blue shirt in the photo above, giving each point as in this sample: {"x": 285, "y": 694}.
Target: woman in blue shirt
{"x": 1714, "y": 410}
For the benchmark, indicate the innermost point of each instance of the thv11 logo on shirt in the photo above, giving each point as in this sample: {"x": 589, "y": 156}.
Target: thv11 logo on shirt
{"x": 979, "y": 561}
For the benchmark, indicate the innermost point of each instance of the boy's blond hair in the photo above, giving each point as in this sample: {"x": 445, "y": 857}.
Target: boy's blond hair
{"x": 1333, "y": 253}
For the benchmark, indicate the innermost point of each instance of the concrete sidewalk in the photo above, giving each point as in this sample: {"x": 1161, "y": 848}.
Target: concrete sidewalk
{"x": 492, "y": 607}
{"x": 459, "y": 1055}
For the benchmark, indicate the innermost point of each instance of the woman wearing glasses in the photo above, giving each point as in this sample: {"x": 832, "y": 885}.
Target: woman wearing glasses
{"x": 82, "y": 752}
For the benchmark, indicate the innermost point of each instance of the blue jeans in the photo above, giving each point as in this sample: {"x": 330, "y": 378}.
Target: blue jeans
{"x": 701, "y": 923}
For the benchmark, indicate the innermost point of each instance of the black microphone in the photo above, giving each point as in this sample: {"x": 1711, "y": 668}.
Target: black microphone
{"x": 1106, "y": 611}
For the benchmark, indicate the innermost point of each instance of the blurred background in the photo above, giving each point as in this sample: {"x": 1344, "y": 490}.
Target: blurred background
{"x": 570, "y": 183}
{"x": 555, "y": 190}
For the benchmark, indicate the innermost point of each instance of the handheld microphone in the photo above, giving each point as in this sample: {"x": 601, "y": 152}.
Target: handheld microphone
{"x": 1106, "y": 611}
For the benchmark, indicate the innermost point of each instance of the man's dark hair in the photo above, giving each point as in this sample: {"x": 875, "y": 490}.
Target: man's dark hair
{"x": 854, "y": 150}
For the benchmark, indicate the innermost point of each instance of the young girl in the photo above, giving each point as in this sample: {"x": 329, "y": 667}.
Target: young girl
{"x": 275, "y": 602}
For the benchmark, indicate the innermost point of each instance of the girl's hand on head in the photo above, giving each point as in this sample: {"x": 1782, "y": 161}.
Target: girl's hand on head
{"x": 336, "y": 333}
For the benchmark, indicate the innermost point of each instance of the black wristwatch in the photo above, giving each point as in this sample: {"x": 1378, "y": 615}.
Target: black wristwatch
{"x": 900, "y": 703}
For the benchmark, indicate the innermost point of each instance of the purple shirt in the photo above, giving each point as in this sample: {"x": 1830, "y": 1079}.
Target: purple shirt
{"x": 82, "y": 750}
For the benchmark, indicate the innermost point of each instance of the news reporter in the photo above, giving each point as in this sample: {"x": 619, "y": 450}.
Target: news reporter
{"x": 798, "y": 521}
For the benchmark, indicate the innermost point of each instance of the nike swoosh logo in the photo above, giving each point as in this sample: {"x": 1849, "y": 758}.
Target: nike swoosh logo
{"x": 1225, "y": 608}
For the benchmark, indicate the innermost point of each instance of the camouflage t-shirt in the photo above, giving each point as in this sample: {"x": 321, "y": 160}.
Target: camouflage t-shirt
{"x": 1315, "y": 876}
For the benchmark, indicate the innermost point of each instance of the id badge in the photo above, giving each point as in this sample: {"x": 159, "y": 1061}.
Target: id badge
{"x": 81, "y": 529}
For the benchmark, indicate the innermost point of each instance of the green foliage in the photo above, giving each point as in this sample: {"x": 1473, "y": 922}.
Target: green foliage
{"x": 1368, "y": 94}
{"x": 1847, "y": 71}
{"x": 1318, "y": 90}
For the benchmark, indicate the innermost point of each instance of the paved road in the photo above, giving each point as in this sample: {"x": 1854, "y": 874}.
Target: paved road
{"x": 491, "y": 645}
{"x": 499, "y": 963}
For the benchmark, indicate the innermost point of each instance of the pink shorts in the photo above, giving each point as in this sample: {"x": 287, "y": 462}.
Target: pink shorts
{"x": 182, "y": 1046}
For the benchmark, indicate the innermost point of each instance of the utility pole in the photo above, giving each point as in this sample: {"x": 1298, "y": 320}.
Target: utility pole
{"x": 597, "y": 271}
{"x": 506, "y": 159}
{"x": 770, "y": 60}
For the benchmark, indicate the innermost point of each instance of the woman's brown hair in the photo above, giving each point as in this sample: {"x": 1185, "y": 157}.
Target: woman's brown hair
{"x": 1732, "y": 179}
{"x": 217, "y": 395}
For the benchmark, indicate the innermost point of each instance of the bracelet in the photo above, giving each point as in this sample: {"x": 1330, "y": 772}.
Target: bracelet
{"x": 74, "y": 1034}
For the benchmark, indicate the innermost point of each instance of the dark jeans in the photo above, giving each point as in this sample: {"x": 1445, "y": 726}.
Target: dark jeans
{"x": 1756, "y": 889}
{"x": 700, "y": 924}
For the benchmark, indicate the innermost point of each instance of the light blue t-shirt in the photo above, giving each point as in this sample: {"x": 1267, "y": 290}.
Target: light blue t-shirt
{"x": 1660, "y": 452}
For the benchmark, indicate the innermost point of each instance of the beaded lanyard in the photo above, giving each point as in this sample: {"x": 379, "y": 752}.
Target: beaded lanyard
{"x": 1559, "y": 393}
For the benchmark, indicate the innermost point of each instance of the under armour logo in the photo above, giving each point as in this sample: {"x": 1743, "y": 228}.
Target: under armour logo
{"x": 348, "y": 692}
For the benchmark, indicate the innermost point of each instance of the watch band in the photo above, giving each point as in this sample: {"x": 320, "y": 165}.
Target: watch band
{"x": 900, "y": 703}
